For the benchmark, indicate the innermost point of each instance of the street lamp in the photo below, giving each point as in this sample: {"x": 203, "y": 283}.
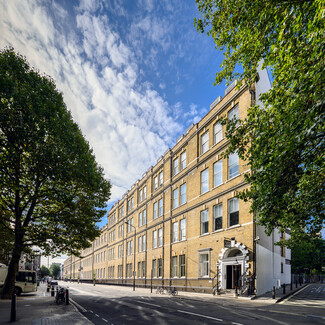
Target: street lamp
{"x": 236, "y": 278}
{"x": 135, "y": 234}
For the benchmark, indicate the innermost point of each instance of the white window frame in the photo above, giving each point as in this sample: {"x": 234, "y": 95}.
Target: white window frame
{"x": 183, "y": 160}
{"x": 154, "y": 239}
{"x": 154, "y": 268}
{"x": 233, "y": 207}
{"x": 217, "y": 133}
{"x": 205, "y": 181}
{"x": 233, "y": 163}
{"x": 175, "y": 232}
{"x": 144, "y": 243}
{"x": 175, "y": 166}
{"x": 182, "y": 194}
{"x": 144, "y": 216}
{"x": 204, "y": 219}
{"x": 204, "y": 142}
{"x": 160, "y": 208}
{"x": 174, "y": 266}
{"x": 161, "y": 178}
{"x": 204, "y": 264}
{"x": 160, "y": 237}
{"x": 182, "y": 229}
{"x": 182, "y": 266}
{"x": 140, "y": 219}
{"x": 175, "y": 198}
{"x": 155, "y": 210}
{"x": 217, "y": 173}
{"x": 234, "y": 113}
{"x": 217, "y": 214}
{"x": 155, "y": 183}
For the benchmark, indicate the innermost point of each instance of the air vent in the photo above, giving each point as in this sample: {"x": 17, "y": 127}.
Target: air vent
{"x": 180, "y": 138}
{"x": 218, "y": 100}
{"x": 230, "y": 87}
{"x": 189, "y": 128}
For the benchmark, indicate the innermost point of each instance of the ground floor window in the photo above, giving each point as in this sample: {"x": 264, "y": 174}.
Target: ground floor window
{"x": 143, "y": 269}
{"x": 160, "y": 267}
{"x": 154, "y": 268}
{"x": 120, "y": 271}
{"x": 174, "y": 266}
{"x": 139, "y": 269}
{"x": 182, "y": 265}
{"x": 204, "y": 264}
{"x": 129, "y": 270}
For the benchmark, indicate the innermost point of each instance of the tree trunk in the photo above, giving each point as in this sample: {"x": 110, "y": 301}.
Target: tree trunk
{"x": 9, "y": 284}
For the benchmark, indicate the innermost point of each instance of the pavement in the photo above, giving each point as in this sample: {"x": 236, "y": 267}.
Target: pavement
{"x": 40, "y": 308}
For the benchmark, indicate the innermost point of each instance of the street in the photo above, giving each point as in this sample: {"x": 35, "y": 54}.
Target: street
{"x": 120, "y": 305}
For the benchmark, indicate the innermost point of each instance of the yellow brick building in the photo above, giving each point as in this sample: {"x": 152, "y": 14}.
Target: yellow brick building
{"x": 181, "y": 224}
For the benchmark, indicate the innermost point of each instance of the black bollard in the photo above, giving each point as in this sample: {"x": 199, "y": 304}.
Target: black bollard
{"x": 284, "y": 288}
{"x": 296, "y": 283}
{"x": 13, "y": 307}
{"x": 273, "y": 293}
{"x": 291, "y": 286}
{"x": 67, "y": 296}
{"x": 52, "y": 291}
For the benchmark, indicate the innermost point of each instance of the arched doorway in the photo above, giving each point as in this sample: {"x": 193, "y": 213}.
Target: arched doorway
{"x": 233, "y": 264}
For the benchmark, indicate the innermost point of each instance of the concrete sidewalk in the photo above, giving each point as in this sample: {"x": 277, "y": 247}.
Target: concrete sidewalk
{"x": 39, "y": 308}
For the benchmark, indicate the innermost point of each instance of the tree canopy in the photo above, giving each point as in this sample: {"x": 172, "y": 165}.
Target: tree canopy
{"x": 55, "y": 270}
{"x": 284, "y": 141}
{"x": 44, "y": 271}
{"x": 52, "y": 190}
{"x": 308, "y": 257}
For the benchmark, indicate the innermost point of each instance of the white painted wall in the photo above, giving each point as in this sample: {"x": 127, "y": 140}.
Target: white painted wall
{"x": 268, "y": 262}
{"x": 263, "y": 85}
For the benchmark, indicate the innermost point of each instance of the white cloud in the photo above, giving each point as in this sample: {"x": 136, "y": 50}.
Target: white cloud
{"x": 128, "y": 124}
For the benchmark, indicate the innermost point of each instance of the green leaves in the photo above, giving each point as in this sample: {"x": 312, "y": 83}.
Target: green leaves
{"x": 53, "y": 191}
{"x": 283, "y": 142}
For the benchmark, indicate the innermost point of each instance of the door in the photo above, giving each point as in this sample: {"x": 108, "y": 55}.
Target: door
{"x": 233, "y": 276}
{"x": 229, "y": 277}
{"x": 236, "y": 276}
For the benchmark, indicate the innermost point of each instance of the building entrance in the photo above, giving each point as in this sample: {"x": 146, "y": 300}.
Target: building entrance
{"x": 233, "y": 276}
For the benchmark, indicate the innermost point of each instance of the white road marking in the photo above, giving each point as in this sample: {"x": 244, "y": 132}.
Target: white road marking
{"x": 147, "y": 303}
{"x": 78, "y": 306}
{"x": 283, "y": 301}
{"x": 96, "y": 315}
{"x": 91, "y": 311}
{"x": 105, "y": 320}
{"x": 204, "y": 316}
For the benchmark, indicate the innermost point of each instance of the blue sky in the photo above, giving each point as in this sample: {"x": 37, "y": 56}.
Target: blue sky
{"x": 134, "y": 73}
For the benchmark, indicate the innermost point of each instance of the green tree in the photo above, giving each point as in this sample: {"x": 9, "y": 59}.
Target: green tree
{"x": 52, "y": 190}
{"x": 284, "y": 142}
{"x": 44, "y": 271}
{"x": 308, "y": 256}
{"x": 55, "y": 270}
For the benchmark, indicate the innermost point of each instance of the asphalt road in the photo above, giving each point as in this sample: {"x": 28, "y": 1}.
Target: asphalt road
{"x": 119, "y": 305}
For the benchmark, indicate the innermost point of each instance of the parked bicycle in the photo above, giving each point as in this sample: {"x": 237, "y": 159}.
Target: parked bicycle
{"x": 172, "y": 291}
{"x": 60, "y": 296}
{"x": 160, "y": 290}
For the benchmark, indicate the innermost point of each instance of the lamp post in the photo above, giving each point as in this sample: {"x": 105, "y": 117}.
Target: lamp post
{"x": 236, "y": 278}
{"x": 218, "y": 277}
{"x": 135, "y": 234}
